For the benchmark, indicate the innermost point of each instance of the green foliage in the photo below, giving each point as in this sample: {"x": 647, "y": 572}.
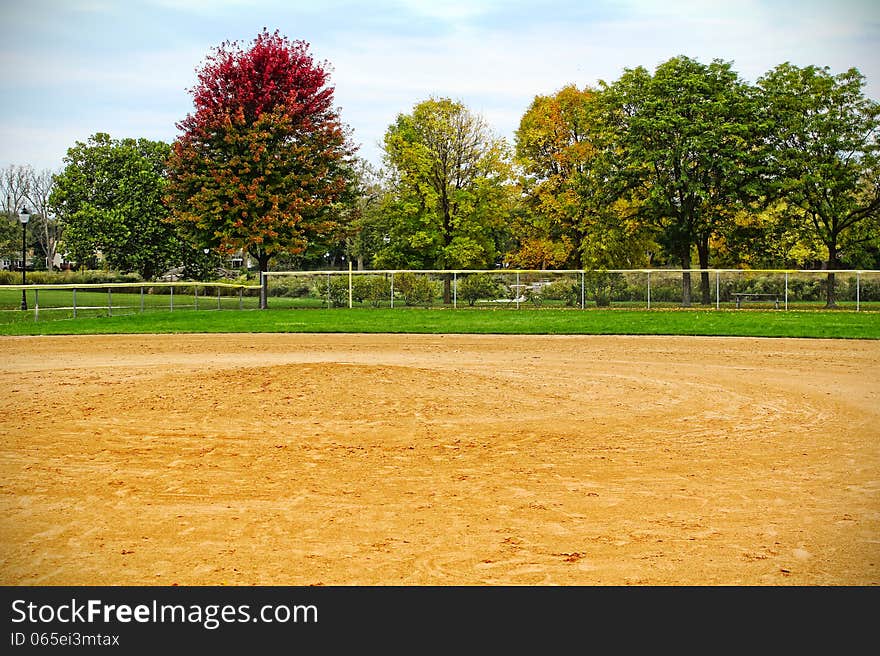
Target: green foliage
{"x": 449, "y": 189}
{"x": 825, "y": 158}
{"x": 338, "y": 291}
{"x": 109, "y": 200}
{"x": 372, "y": 289}
{"x": 414, "y": 289}
{"x": 87, "y": 277}
{"x": 294, "y": 287}
{"x": 478, "y": 286}
{"x": 567, "y": 291}
{"x": 10, "y": 237}
{"x": 602, "y": 287}
{"x": 682, "y": 140}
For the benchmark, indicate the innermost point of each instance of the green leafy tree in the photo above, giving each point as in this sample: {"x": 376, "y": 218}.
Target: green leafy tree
{"x": 365, "y": 225}
{"x": 826, "y": 159}
{"x": 109, "y": 201}
{"x": 10, "y": 236}
{"x": 260, "y": 163}
{"x": 682, "y": 142}
{"x": 554, "y": 143}
{"x": 449, "y": 190}
{"x": 570, "y": 217}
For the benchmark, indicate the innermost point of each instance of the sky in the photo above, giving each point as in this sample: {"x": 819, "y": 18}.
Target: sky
{"x": 71, "y": 68}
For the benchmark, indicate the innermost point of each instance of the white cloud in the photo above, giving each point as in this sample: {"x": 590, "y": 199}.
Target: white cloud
{"x": 387, "y": 57}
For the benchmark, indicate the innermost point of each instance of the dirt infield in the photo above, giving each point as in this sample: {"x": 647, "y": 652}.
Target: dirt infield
{"x": 392, "y": 459}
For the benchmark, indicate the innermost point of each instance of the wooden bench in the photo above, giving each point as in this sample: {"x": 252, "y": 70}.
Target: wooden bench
{"x": 748, "y": 296}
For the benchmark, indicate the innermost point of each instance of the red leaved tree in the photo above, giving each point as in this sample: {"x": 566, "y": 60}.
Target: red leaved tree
{"x": 260, "y": 161}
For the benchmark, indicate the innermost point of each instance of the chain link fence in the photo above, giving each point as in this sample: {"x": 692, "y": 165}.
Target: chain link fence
{"x": 70, "y": 301}
{"x": 582, "y": 289}
{"x": 721, "y": 289}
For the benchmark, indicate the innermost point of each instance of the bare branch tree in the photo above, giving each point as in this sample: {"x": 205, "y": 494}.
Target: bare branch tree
{"x": 15, "y": 182}
{"x": 46, "y": 228}
{"x": 14, "y": 186}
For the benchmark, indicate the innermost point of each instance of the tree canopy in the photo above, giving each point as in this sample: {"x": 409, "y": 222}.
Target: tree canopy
{"x": 686, "y": 162}
{"x": 450, "y": 185}
{"x": 683, "y": 139}
{"x": 109, "y": 201}
{"x": 825, "y": 157}
{"x": 262, "y": 157}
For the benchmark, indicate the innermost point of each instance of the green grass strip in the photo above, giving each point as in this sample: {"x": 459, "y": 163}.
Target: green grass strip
{"x": 747, "y": 323}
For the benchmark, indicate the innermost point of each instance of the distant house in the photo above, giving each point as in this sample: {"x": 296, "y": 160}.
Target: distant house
{"x": 8, "y": 263}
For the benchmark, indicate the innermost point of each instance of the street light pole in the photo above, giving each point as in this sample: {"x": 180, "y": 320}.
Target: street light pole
{"x": 23, "y": 216}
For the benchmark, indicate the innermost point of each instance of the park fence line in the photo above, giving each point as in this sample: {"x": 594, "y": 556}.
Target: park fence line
{"x": 139, "y": 286}
{"x": 583, "y": 274}
{"x": 518, "y": 281}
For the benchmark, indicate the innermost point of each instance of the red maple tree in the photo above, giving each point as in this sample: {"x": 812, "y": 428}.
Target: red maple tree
{"x": 263, "y": 156}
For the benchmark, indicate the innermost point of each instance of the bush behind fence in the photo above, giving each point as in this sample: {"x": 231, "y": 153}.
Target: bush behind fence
{"x": 74, "y": 297}
{"x": 568, "y": 288}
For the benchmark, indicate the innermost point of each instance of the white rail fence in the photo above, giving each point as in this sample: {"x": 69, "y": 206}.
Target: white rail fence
{"x": 720, "y": 289}
{"x": 581, "y": 288}
{"x": 62, "y": 301}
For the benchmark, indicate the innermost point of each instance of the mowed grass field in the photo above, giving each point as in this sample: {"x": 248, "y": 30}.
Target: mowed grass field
{"x": 744, "y": 323}
{"x": 119, "y": 312}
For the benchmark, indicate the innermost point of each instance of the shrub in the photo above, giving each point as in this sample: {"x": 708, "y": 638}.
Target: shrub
{"x": 338, "y": 291}
{"x": 378, "y": 289}
{"x": 88, "y": 277}
{"x": 563, "y": 290}
{"x": 294, "y": 287}
{"x": 602, "y": 287}
{"x": 478, "y": 286}
{"x": 414, "y": 289}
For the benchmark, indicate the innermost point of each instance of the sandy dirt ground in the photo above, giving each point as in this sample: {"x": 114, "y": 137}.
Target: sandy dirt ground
{"x": 439, "y": 460}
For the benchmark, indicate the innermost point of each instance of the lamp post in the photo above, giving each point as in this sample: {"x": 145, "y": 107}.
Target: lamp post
{"x": 23, "y": 216}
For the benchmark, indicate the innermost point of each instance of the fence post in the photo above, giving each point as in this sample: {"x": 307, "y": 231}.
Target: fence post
{"x": 196, "y": 302}
{"x": 74, "y": 302}
{"x": 517, "y": 290}
{"x": 171, "y": 298}
{"x": 36, "y": 304}
{"x": 454, "y": 290}
{"x": 717, "y": 291}
{"x": 142, "y": 300}
{"x": 218, "y": 298}
{"x": 109, "y": 301}
{"x": 328, "y": 292}
{"x": 240, "y": 295}
{"x": 392, "y": 290}
{"x": 786, "y": 290}
{"x": 349, "y": 285}
{"x": 583, "y": 290}
{"x": 649, "y": 290}
{"x": 858, "y": 290}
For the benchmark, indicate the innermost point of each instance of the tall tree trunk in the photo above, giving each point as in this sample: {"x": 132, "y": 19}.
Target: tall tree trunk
{"x": 686, "y": 278}
{"x": 360, "y": 262}
{"x": 830, "y": 286}
{"x": 703, "y": 255}
{"x": 447, "y": 288}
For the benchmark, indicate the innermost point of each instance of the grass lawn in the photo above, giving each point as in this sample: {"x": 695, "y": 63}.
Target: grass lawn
{"x": 750, "y": 323}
